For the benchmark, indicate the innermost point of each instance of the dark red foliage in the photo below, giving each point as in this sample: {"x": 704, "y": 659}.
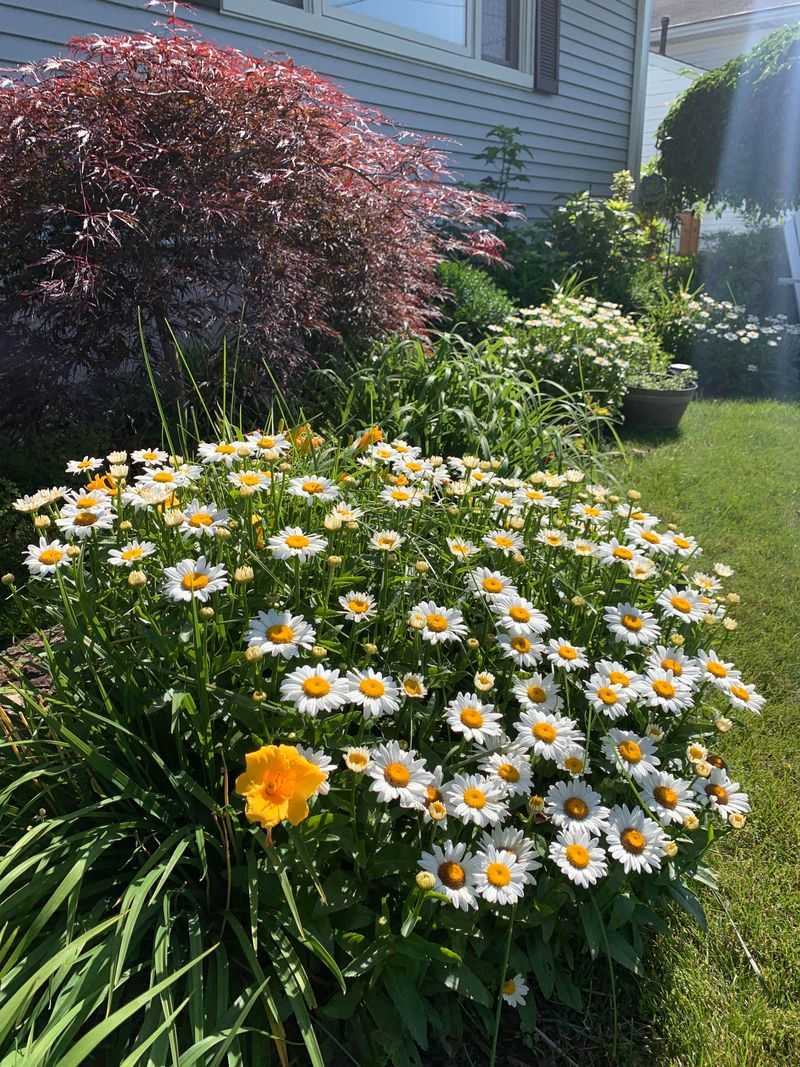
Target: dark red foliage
{"x": 225, "y": 194}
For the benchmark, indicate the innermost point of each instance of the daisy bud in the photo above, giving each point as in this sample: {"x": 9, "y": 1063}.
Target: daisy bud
{"x": 319, "y": 651}
{"x": 232, "y": 524}
{"x": 118, "y": 470}
{"x": 41, "y": 522}
{"x": 117, "y": 457}
{"x": 206, "y": 612}
{"x": 244, "y": 574}
{"x": 223, "y": 533}
{"x": 437, "y": 811}
{"x": 558, "y": 522}
{"x": 634, "y": 495}
{"x": 416, "y": 620}
{"x": 334, "y": 561}
{"x": 73, "y": 551}
{"x": 709, "y": 619}
{"x": 695, "y": 751}
{"x": 136, "y": 579}
{"x": 691, "y": 822}
{"x": 670, "y": 849}
{"x": 536, "y": 804}
{"x": 436, "y": 461}
{"x": 578, "y": 602}
{"x": 173, "y": 517}
{"x": 730, "y": 624}
{"x": 723, "y": 570}
{"x": 484, "y": 681}
{"x": 351, "y": 525}
{"x": 247, "y": 490}
{"x": 733, "y": 598}
{"x": 332, "y": 522}
{"x": 538, "y": 478}
{"x": 516, "y": 522}
{"x": 737, "y": 819}
{"x": 285, "y": 466}
{"x": 370, "y": 649}
{"x": 518, "y": 557}
{"x": 253, "y": 653}
{"x": 473, "y": 643}
{"x": 422, "y": 566}
{"x": 655, "y": 732}
{"x": 176, "y": 461}
{"x": 677, "y": 640}
{"x": 452, "y": 509}
{"x": 703, "y": 768}
{"x": 7, "y": 579}
{"x": 723, "y": 725}
{"x": 573, "y": 475}
{"x": 613, "y": 499}
{"x": 425, "y": 881}
{"x": 485, "y": 465}
{"x": 126, "y": 524}
{"x": 470, "y": 462}
{"x": 356, "y": 759}
{"x": 258, "y": 696}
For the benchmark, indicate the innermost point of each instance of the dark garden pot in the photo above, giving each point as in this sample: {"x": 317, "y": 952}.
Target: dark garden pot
{"x": 656, "y": 409}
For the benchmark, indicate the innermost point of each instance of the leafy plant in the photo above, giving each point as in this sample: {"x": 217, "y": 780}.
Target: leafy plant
{"x": 472, "y": 300}
{"x": 504, "y": 150}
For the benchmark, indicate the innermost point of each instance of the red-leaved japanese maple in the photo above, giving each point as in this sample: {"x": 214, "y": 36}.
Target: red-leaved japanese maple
{"x": 223, "y": 194}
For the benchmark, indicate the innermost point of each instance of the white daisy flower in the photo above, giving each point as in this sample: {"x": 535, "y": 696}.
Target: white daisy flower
{"x": 504, "y": 502}
{"x": 590, "y": 513}
{"x": 631, "y": 753}
{"x": 194, "y": 579}
{"x": 683, "y": 545}
{"x": 514, "y": 841}
{"x": 744, "y": 696}
{"x": 489, "y": 585}
{"x": 375, "y": 693}
{"x": 313, "y": 487}
{"x": 548, "y": 734}
{"x": 476, "y": 799}
{"x": 515, "y": 991}
{"x": 315, "y": 689}
{"x": 358, "y": 607}
{"x": 529, "y": 496}
{"x": 706, "y": 583}
{"x": 552, "y": 538}
{"x": 268, "y": 445}
{"x": 251, "y": 481}
{"x": 82, "y": 522}
{"x": 649, "y": 540}
{"x": 513, "y": 770}
{"x": 575, "y": 761}
{"x": 162, "y": 479}
{"x": 151, "y": 456}
{"x": 386, "y": 540}
{"x": 461, "y": 548}
{"x": 476, "y": 721}
{"x": 571, "y": 804}
{"x": 674, "y": 659}
{"x": 383, "y": 452}
{"x": 439, "y": 624}
{"x": 581, "y": 547}
{"x": 433, "y": 796}
{"x": 505, "y": 541}
{"x": 539, "y": 692}
{"x": 398, "y": 775}
{"x": 518, "y": 616}
{"x": 484, "y": 681}
{"x": 567, "y": 656}
{"x": 661, "y": 689}
{"x": 131, "y": 553}
{"x": 293, "y": 543}
{"x": 82, "y": 466}
{"x": 635, "y": 841}
{"x": 414, "y": 687}
{"x": 614, "y": 551}
{"x": 46, "y": 557}
{"x": 715, "y": 669}
{"x": 142, "y": 497}
{"x": 579, "y": 856}
{"x": 201, "y": 520}
{"x": 454, "y": 870}
{"x": 402, "y": 496}
{"x": 413, "y": 469}
{"x": 500, "y": 879}
{"x": 521, "y": 649}
{"x": 93, "y": 500}
{"x": 669, "y": 798}
{"x": 721, "y": 794}
{"x": 320, "y": 758}
{"x": 280, "y": 634}
{"x": 347, "y": 512}
{"x": 218, "y": 452}
{"x": 683, "y": 604}
{"x": 357, "y": 759}
{"x": 631, "y": 626}
{"x": 610, "y": 700}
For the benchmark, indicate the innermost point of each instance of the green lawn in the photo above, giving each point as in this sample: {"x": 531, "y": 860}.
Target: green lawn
{"x": 732, "y": 477}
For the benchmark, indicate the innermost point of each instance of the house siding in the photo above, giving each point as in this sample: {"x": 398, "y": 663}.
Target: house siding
{"x": 579, "y": 136}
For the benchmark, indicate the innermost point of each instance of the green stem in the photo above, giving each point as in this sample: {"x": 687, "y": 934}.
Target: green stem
{"x": 504, "y": 972}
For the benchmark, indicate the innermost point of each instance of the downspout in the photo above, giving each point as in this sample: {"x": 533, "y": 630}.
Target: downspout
{"x": 639, "y": 89}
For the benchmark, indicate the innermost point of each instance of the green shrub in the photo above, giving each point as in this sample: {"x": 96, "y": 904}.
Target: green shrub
{"x": 473, "y": 301}
{"x": 745, "y": 267}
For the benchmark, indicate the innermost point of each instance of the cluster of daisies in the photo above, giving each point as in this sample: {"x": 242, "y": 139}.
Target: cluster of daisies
{"x": 525, "y": 667}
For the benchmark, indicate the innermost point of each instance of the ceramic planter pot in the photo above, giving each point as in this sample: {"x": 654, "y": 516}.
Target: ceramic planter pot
{"x": 656, "y": 409}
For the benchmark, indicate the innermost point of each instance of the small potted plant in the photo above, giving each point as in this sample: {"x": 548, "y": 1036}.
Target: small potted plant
{"x": 658, "y": 395}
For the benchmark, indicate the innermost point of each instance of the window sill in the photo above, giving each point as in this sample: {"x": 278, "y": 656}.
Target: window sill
{"x": 389, "y": 44}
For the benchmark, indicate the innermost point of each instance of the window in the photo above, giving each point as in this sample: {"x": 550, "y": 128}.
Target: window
{"x": 500, "y": 26}
{"x": 444, "y": 20}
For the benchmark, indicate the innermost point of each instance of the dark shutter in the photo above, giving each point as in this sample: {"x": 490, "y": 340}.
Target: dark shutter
{"x": 548, "y": 32}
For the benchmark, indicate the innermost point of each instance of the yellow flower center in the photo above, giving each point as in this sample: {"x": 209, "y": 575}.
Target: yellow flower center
{"x": 630, "y": 751}
{"x": 357, "y": 759}
{"x": 412, "y": 687}
{"x": 717, "y": 791}
{"x": 740, "y": 692}
{"x": 508, "y": 772}
{"x": 492, "y": 585}
{"x": 544, "y": 731}
{"x": 266, "y": 442}
{"x": 664, "y": 688}
{"x": 503, "y": 542}
{"x": 536, "y": 694}
{"x": 250, "y": 479}
{"x": 358, "y": 606}
{"x": 280, "y": 634}
{"x": 149, "y": 456}
{"x": 131, "y": 553}
{"x": 193, "y": 581}
{"x": 436, "y": 622}
{"x": 591, "y": 511}
{"x": 413, "y": 466}
{"x": 201, "y": 518}
{"x": 372, "y": 687}
{"x": 681, "y": 542}
{"x": 607, "y": 695}
{"x": 573, "y": 764}
{"x": 518, "y": 613}
{"x": 521, "y": 644}
{"x": 621, "y": 552}
{"x": 651, "y": 537}
{"x": 553, "y": 539}
{"x": 509, "y": 987}
{"x": 576, "y": 808}
{"x": 400, "y": 494}
{"x": 84, "y": 464}
{"x": 316, "y": 686}
{"x": 164, "y": 477}
{"x": 632, "y": 622}
{"x": 498, "y": 874}
{"x": 313, "y": 487}
{"x": 452, "y": 874}
{"x": 665, "y": 796}
{"x": 225, "y": 450}
{"x": 680, "y": 603}
{"x": 87, "y": 502}
{"x": 86, "y": 518}
{"x": 397, "y": 775}
{"x": 432, "y": 794}
{"x": 51, "y": 556}
{"x": 458, "y": 548}
{"x": 577, "y": 856}
{"x": 619, "y": 678}
{"x": 567, "y": 652}
{"x": 535, "y": 494}
{"x": 633, "y": 841}
{"x": 474, "y": 798}
{"x": 716, "y": 668}
{"x": 471, "y": 717}
{"x": 297, "y": 541}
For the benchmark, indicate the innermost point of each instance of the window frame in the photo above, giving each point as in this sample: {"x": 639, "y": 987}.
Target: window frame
{"x": 317, "y": 19}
